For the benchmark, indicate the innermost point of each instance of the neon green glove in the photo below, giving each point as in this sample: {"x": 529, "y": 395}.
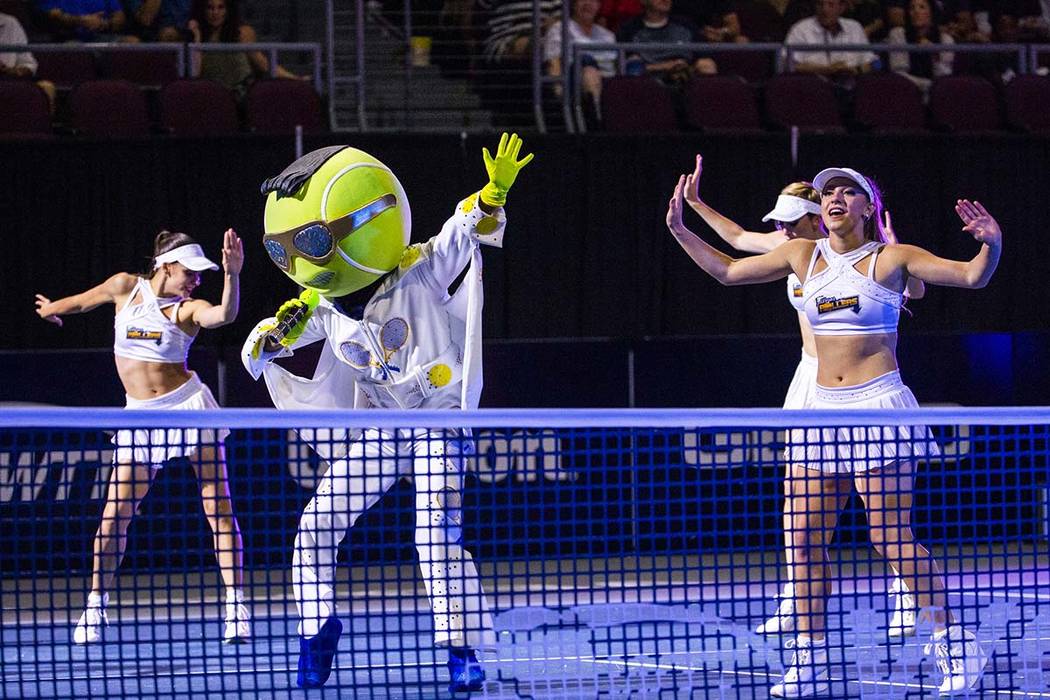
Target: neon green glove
{"x": 294, "y": 314}
{"x": 503, "y": 169}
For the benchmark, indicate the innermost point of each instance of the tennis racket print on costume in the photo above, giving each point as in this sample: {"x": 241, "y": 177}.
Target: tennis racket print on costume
{"x": 356, "y": 354}
{"x": 392, "y": 336}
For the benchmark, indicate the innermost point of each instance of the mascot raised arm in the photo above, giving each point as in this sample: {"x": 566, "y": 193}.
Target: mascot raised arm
{"x": 338, "y": 222}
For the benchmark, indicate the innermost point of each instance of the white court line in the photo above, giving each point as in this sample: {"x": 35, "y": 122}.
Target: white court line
{"x": 532, "y": 659}
{"x": 892, "y": 684}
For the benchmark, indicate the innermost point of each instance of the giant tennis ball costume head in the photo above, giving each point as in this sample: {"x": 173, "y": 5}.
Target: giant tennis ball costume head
{"x": 336, "y": 220}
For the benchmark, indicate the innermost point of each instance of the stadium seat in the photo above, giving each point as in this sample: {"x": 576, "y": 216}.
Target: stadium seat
{"x": 805, "y": 101}
{"x": 964, "y": 103}
{"x": 110, "y": 108}
{"x": 278, "y": 105}
{"x": 1027, "y": 101}
{"x": 197, "y": 107}
{"x": 144, "y": 68}
{"x": 721, "y": 102}
{"x": 66, "y": 69}
{"x": 888, "y": 102}
{"x": 637, "y": 103}
{"x": 24, "y": 109}
{"x": 752, "y": 66}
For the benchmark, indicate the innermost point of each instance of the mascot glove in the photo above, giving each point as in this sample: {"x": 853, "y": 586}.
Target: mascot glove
{"x": 503, "y": 169}
{"x": 303, "y": 306}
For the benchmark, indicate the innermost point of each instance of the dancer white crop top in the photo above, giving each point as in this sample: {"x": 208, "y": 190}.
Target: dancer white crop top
{"x": 839, "y": 300}
{"x": 143, "y": 332}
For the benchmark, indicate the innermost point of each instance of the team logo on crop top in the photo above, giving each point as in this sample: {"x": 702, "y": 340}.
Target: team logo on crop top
{"x": 829, "y": 304}
{"x": 142, "y": 334}
{"x": 796, "y": 290}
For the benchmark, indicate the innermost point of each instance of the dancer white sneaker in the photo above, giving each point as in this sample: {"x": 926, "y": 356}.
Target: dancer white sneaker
{"x": 238, "y": 626}
{"x": 807, "y": 675}
{"x": 783, "y": 620}
{"x": 902, "y": 622}
{"x": 960, "y": 657}
{"x": 92, "y": 621}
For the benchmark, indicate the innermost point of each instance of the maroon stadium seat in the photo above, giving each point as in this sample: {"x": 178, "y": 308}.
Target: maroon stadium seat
{"x": 888, "y": 102}
{"x": 1027, "y": 100}
{"x": 752, "y": 66}
{"x": 24, "y": 109}
{"x": 110, "y": 108}
{"x": 637, "y": 103}
{"x": 197, "y": 107}
{"x": 721, "y": 102}
{"x": 805, "y": 101}
{"x": 65, "y": 69}
{"x": 145, "y": 68}
{"x": 964, "y": 103}
{"x": 276, "y": 106}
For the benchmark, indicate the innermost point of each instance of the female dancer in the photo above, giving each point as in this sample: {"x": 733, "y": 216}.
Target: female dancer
{"x": 852, "y": 293}
{"x": 797, "y": 215}
{"x": 156, "y": 322}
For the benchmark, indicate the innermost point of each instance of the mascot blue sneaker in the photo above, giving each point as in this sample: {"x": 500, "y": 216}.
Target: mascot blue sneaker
{"x": 316, "y": 655}
{"x": 464, "y": 671}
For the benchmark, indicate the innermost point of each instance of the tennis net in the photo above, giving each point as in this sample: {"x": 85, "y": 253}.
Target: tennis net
{"x": 579, "y": 553}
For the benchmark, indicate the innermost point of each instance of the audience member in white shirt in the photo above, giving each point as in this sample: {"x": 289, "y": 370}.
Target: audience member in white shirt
{"x": 828, "y": 28}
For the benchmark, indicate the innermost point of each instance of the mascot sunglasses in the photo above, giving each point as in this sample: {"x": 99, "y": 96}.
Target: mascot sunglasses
{"x": 317, "y": 240}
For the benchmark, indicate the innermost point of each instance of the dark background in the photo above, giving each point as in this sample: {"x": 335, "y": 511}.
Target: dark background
{"x": 590, "y": 304}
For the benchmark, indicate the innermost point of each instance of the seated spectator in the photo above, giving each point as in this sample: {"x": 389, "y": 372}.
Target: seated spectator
{"x": 1020, "y": 21}
{"x": 510, "y": 29}
{"x": 923, "y": 26}
{"x": 614, "y": 13}
{"x": 88, "y": 21}
{"x": 20, "y": 65}
{"x": 219, "y": 21}
{"x": 871, "y": 16}
{"x": 829, "y": 28}
{"x": 721, "y": 25}
{"x": 656, "y": 26}
{"x": 769, "y": 20}
{"x": 593, "y": 65}
{"x": 159, "y": 20}
{"x": 962, "y": 22}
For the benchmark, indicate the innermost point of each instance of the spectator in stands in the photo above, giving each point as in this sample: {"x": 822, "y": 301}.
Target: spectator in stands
{"x": 20, "y": 65}
{"x": 966, "y": 25}
{"x": 657, "y": 26}
{"x": 769, "y": 20}
{"x": 510, "y": 28}
{"x": 870, "y": 14}
{"x": 923, "y": 27}
{"x": 593, "y": 66}
{"x": 720, "y": 24}
{"x": 829, "y": 28}
{"x": 219, "y": 21}
{"x": 85, "y": 20}
{"x": 614, "y": 13}
{"x": 159, "y": 20}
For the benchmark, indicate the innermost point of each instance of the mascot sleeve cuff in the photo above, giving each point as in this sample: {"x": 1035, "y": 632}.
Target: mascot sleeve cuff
{"x": 486, "y": 229}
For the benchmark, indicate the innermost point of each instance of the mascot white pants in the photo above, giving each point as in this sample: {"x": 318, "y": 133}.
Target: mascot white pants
{"x": 352, "y": 485}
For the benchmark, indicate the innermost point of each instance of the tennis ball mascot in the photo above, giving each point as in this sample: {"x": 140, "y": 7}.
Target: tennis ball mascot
{"x": 337, "y": 222}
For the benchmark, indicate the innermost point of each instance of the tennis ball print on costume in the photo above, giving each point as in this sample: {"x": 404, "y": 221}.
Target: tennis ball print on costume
{"x": 344, "y": 228}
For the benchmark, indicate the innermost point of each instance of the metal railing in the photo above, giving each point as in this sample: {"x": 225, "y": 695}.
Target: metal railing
{"x": 182, "y": 52}
{"x": 784, "y": 56}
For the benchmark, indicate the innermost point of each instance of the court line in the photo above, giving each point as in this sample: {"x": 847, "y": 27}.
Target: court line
{"x": 892, "y": 684}
{"x": 530, "y": 659}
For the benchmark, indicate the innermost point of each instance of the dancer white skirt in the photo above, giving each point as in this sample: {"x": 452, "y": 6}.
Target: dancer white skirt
{"x": 154, "y": 447}
{"x": 855, "y": 450}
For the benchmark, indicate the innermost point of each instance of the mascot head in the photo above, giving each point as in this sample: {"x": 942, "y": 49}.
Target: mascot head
{"x": 336, "y": 220}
